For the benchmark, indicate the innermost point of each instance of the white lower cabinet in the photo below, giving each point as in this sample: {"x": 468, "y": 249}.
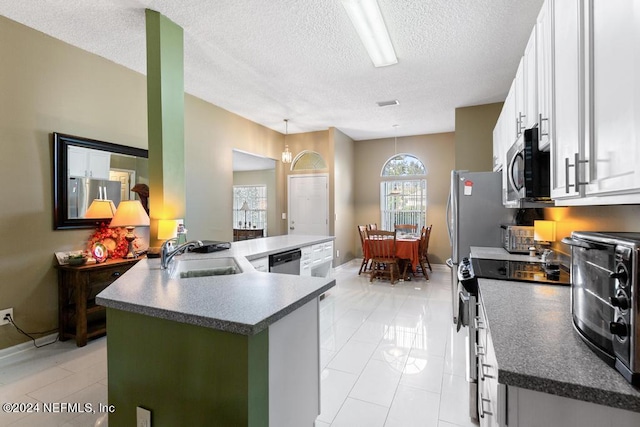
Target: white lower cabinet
{"x": 306, "y": 260}
{"x": 528, "y": 408}
{"x": 294, "y": 368}
{"x": 317, "y": 260}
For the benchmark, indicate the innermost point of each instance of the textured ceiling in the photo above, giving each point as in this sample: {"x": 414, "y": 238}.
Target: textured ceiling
{"x": 268, "y": 60}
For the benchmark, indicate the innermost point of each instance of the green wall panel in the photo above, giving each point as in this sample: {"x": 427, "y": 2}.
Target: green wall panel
{"x": 185, "y": 374}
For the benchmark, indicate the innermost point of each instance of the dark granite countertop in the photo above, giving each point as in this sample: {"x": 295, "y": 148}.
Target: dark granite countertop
{"x": 537, "y": 347}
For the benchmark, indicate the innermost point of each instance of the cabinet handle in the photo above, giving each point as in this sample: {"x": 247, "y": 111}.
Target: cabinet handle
{"x": 116, "y": 274}
{"x": 484, "y": 412}
{"x": 483, "y": 374}
{"x": 576, "y": 171}
{"x": 540, "y": 120}
{"x": 478, "y": 323}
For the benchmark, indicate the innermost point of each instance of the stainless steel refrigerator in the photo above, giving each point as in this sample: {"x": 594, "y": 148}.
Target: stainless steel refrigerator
{"x": 82, "y": 191}
{"x": 474, "y": 215}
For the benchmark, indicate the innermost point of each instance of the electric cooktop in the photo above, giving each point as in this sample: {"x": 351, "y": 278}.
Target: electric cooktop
{"x": 520, "y": 271}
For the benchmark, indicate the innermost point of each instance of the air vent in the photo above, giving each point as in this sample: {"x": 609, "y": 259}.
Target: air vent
{"x": 387, "y": 103}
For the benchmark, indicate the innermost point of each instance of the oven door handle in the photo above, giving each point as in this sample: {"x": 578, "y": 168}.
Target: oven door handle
{"x": 581, "y": 243}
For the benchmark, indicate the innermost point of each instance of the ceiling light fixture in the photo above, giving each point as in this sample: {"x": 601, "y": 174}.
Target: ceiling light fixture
{"x": 367, "y": 19}
{"x": 387, "y": 103}
{"x": 287, "y": 156}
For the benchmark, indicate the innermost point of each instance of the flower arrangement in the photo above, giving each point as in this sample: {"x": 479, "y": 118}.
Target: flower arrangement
{"x": 113, "y": 239}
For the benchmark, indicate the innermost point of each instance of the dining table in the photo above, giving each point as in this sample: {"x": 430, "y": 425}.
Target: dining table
{"x": 407, "y": 248}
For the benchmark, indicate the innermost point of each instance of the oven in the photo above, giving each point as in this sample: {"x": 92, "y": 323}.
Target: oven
{"x": 605, "y": 305}
{"x": 469, "y": 271}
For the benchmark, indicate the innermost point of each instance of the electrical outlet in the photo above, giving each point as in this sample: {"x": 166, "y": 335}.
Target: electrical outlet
{"x": 3, "y": 313}
{"x": 143, "y": 417}
{"x": 337, "y": 253}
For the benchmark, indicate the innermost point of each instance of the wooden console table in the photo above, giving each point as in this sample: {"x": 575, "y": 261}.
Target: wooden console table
{"x": 247, "y": 233}
{"x": 78, "y": 315}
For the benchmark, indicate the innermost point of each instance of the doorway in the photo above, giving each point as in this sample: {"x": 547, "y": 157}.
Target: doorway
{"x": 309, "y": 204}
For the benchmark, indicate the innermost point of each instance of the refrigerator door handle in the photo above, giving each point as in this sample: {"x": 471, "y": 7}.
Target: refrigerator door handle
{"x": 448, "y": 214}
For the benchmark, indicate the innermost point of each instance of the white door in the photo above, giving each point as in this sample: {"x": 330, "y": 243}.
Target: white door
{"x": 309, "y": 204}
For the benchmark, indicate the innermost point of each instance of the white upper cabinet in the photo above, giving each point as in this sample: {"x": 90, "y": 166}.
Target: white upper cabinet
{"x": 567, "y": 153}
{"x": 530, "y": 112}
{"x": 614, "y": 134}
{"x": 520, "y": 99}
{"x": 544, "y": 74}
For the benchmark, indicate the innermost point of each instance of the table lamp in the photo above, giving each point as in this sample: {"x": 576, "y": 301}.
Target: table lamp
{"x": 245, "y": 208}
{"x": 130, "y": 214}
{"x": 100, "y": 208}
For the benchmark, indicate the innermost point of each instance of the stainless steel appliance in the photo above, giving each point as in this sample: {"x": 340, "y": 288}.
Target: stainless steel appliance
{"x": 605, "y": 302}
{"x": 467, "y": 314}
{"x": 517, "y": 238}
{"x": 285, "y": 262}
{"x": 527, "y": 172}
{"x": 474, "y": 216}
{"x": 82, "y": 191}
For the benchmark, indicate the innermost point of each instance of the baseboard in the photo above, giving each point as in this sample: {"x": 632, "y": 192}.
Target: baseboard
{"x": 25, "y": 346}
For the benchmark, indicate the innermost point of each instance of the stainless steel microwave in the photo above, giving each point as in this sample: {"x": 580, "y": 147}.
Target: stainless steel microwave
{"x": 527, "y": 174}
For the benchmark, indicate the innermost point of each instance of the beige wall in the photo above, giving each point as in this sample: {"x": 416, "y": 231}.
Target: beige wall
{"x": 474, "y": 136}
{"x": 436, "y": 151}
{"x": 47, "y": 86}
{"x": 345, "y": 178}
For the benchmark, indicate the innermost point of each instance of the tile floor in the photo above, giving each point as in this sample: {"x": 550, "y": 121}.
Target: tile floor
{"x": 390, "y": 357}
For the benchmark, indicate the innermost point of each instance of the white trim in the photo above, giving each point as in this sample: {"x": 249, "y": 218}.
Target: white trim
{"x": 25, "y": 346}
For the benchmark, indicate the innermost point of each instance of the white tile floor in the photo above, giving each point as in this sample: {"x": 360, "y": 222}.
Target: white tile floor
{"x": 390, "y": 357}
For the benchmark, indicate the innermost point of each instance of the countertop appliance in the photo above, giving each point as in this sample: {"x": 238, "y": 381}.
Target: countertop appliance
{"x": 517, "y": 239}
{"x": 285, "y": 262}
{"x": 527, "y": 172}
{"x": 82, "y": 191}
{"x": 605, "y": 301}
{"x": 474, "y": 216}
{"x": 520, "y": 271}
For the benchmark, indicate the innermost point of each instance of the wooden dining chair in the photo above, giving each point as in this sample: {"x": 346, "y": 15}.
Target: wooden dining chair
{"x": 373, "y": 226}
{"x": 382, "y": 249}
{"x": 423, "y": 250}
{"x": 362, "y": 230}
{"x": 406, "y": 228}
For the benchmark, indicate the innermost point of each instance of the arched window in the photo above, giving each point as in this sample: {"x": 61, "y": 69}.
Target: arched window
{"x": 403, "y": 192}
{"x": 308, "y": 160}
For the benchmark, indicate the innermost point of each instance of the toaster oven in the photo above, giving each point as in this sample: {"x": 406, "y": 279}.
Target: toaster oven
{"x": 517, "y": 238}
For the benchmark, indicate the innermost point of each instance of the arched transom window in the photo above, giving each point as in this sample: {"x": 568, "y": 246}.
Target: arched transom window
{"x": 403, "y": 192}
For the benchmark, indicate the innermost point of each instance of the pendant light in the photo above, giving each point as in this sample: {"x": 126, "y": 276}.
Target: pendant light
{"x": 287, "y": 156}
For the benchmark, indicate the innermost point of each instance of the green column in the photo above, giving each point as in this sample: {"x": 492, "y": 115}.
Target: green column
{"x": 165, "y": 117}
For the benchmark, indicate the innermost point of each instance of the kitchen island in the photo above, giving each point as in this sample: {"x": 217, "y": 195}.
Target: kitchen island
{"x": 239, "y": 349}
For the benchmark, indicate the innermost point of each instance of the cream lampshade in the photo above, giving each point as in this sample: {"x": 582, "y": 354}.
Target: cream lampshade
{"x": 544, "y": 231}
{"x": 100, "y": 209}
{"x": 130, "y": 214}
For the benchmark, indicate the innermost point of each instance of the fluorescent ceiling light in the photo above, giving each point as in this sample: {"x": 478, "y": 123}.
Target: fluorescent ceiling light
{"x": 367, "y": 19}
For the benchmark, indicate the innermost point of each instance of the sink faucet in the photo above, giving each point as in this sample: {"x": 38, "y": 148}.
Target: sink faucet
{"x": 167, "y": 254}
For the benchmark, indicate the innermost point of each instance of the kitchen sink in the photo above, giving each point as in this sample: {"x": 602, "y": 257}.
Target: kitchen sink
{"x": 184, "y": 269}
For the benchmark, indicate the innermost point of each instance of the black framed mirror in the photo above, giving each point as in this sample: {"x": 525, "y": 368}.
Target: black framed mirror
{"x": 86, "y": 169}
